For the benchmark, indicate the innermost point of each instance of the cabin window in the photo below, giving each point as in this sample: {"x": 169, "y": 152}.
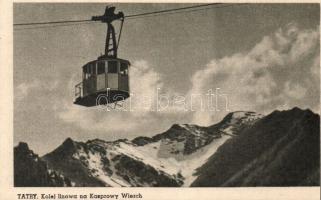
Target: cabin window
{"x": 101, "y": 68}
{"x": 93, "y": 68}
{"x": 87, "y": 71}
{"x": 123, "y": 68}
{"x": 112, "y": 67}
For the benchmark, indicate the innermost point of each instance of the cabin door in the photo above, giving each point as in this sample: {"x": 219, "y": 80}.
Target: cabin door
{"x": 123, "y": 77}
{"x": 89, "y": 86}
{"x": 101, "y": 75}
{"x": 89, "y": 82}
{"x": 112, "y": 75}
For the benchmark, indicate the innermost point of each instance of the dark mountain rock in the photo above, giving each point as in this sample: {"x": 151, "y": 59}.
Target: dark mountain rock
{"x": 281, "y": 149}
{"x": 237, "y": 121}
{"x": 62, "y": 160}
{"x": 146, "y": 175}
{"x": 141, "y": 141}
{"x": 30, "y": 170}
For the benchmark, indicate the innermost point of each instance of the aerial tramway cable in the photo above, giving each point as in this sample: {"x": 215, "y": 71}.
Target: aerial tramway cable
{"x": 35, "y": 25}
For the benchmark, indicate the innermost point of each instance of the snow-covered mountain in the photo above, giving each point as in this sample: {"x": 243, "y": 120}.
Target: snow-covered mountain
{"x": 178, "y": 157}
{"x": 166, "y": 159}
{"x": 281, "y": 149}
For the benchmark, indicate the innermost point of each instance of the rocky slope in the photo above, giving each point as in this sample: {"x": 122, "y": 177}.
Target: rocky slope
{"x": 281, "y": 149}
{"x": 30, "y": 170}
{"x": 244, "y": 149}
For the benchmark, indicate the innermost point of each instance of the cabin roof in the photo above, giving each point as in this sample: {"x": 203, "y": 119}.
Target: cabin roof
{"x": 108, "y": 59}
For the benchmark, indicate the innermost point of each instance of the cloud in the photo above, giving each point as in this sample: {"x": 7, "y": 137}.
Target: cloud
{"x": 281, "y": 71}
{"x": 23, "y": 89}
{"x": 144, "y": 81}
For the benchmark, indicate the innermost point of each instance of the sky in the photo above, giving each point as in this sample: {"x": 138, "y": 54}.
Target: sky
{"x": 190, "y": 67}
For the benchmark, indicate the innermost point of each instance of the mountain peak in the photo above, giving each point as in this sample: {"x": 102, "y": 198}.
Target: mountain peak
{"x": 296, "y": 109}
{"x": 299, "y": 110}
{"x": 292, "y": 113}
{"x": 176, "y": 126}
{"x": 68, "y": 142}
{"x": 23, "y": 147}
{"x": 67, "y": 148}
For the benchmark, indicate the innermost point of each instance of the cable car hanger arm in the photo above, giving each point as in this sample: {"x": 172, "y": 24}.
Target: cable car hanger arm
{"x": 111, "y": 45}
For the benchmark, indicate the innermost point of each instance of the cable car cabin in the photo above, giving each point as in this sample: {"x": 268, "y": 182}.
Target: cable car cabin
{"x": 104, "y": 81}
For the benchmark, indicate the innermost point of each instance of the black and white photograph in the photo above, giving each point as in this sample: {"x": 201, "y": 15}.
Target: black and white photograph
{"x": 210, "y": 95}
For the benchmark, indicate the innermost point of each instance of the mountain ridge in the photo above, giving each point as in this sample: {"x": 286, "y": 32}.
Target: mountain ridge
{"x": 183, "y": 155}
